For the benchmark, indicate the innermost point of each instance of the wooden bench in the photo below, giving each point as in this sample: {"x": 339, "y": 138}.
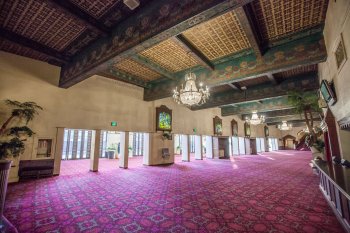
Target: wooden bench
{"x": 35, "y": 168}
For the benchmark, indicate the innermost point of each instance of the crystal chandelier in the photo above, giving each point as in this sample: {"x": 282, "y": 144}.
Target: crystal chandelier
{"x": 285, "y": 126}
{"x": 255, "y": 119}
{"x": 191, "y": 95}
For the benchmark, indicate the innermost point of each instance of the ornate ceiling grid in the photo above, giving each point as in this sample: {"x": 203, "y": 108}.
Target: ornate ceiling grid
{"x": 219, "y": 37}
{"x": 36, "y": 20}
{"x": 296, "y": 71}
{"x": 138, "y": 70}
{"x": 221, "y": 88}
{"x": 11, "y": 47}
{"x": 277, "y": 18}
{"x": 95, "y": 8}
{"x": 170, "y": 56}
{"x": 254, "y": 81}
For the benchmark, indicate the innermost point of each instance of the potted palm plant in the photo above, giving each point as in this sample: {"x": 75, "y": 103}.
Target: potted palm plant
{"x": 306, "y": 104}
{"x": 13, "y": 133}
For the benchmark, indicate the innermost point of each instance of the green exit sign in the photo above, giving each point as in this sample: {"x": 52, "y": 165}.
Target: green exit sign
{"x": 114, "y": 123}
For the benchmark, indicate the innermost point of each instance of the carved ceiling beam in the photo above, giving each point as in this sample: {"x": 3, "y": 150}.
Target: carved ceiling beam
{"x": 290, "y": 118}
{"x": 271, "y": 78}
{"x": 71, "y": 10}
{"x": 307, "y": 51}
{"x": 272, "y": 114}
{"x": 271, "y": 104}
{"x": 193, "y": 51}
{"x": 29, "y": 43}
{"x": 147, "y": 27}
{"x": 234, "y": 87}
{"x": 265, "y": 91}
{"x": 295, "y": 123}
{"x": 153, "y": 66}
{"x": 116, "y": 74}
{"x": 246, "y": 20}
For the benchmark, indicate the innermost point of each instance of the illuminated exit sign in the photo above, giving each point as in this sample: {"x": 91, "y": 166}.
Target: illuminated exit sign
{"x": 114, "y": 123}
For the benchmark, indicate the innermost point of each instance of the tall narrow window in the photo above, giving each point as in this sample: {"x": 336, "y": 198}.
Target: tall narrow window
{"x": 78, "y": 156}
{"x": 76, "y": 144}
{"x": 138, "y": 144}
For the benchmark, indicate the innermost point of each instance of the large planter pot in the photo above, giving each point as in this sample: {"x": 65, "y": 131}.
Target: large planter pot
{"x": 5, "y": 225}
{"x": 316, "y": 154}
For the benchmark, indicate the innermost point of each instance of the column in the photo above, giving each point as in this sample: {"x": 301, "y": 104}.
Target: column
{"x": 124, "y": 150}
{"x": 58, "y": 150}
{"x": 95, "y": 149}
{"x": 146, "y": 149}
{"x": 215, "y": 147}
{"x": 198, "y": 147}
{"x": 185, "y": 148}
{"x": 209, "y": 147}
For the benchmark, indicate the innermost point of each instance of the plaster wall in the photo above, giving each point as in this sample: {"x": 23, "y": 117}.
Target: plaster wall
{"x": 336, "y": 26}
{"x": 93, "y": 104}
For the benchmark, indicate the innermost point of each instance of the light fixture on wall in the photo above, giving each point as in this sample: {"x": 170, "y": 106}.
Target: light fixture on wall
{"x": 285, "y": 126}
{"x": 255, "y": 119}
{"x": 191, "y": 95}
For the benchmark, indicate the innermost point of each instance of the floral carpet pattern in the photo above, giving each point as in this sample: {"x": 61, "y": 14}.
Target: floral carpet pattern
{"x": 271, "y": 192}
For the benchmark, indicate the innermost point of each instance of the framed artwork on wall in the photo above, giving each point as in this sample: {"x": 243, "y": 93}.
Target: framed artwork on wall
{"x": 247, "y": 131}
{"x": 327, "y": 92}
{"x": 217, "y": 125}
{"x": 164, "y": 118}
{"x": 266, "y": 131}
{"x": 340, "y": 52}
{"x": 234, "y": 128}
{"x": 43, "y": 147}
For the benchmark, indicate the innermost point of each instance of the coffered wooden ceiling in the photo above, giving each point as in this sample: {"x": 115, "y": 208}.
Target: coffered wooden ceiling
{"x": 52, "y": 30}
{"x": 277, "y": 18}
{"x": 219, "y": 37}
{"x": 229, "y": 44}
{"x": 170, "y": 56}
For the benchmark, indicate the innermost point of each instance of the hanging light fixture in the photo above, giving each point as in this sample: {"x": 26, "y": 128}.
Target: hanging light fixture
{"x": 285, "y": 126}
{"x": 191, "y": 95}
{"x": 255, "y": 119}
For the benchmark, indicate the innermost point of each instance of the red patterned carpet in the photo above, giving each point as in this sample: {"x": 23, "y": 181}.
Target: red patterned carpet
{"x": 273, "y": 192}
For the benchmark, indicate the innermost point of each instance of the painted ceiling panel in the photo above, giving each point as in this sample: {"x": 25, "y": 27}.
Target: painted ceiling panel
{"x": 170, "y": 56}
{"x": 277, "y": 18}
{"x": 96, "y": 8}
{"x": 38, "y": 21}
{"x": 254, "y": 81}
{"x": 296, "y": 71}
{"x": 138, "y": 70}
{"x": 219, "y": 37}
{"x": 9, "y": 46}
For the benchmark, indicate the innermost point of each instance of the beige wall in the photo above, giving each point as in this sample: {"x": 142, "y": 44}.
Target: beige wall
{"x": 93, "y": 104}
{"x": 337, "y": 23}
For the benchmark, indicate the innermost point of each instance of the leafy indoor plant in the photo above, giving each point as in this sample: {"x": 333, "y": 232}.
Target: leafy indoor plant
{"x": 306, "y": 104}
{"x": 13, "y": 133}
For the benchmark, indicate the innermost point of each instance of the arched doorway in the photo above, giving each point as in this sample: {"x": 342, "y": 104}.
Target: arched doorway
{"x": 289, "y": 142}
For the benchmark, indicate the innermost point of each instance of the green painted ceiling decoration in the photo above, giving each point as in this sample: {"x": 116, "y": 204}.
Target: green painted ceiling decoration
{"x": 249, "y": 52}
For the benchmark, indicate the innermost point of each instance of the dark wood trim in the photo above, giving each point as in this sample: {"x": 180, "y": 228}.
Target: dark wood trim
{"x": 248, "y": 27}
{"x": 234, "y": 86}
{"x": 344, "y": 123}
{"x": 29, "y": 43}
{"x": 271, "y": 78}
{"x": 261, "y": 92}
{"x": 73, "y": 11}
{"x": 198, "y": 55}
{"x": 332, "y": 134}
